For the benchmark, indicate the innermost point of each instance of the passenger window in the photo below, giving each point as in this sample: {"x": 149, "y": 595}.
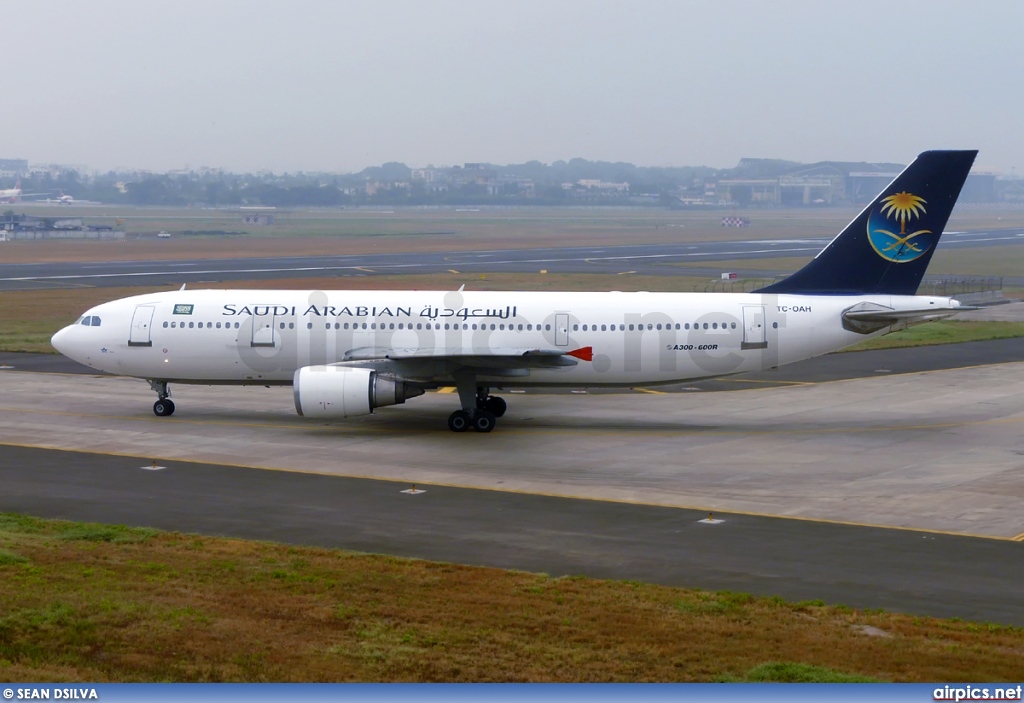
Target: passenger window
{"x": 165, "y": 323}
{"x": 775, "y": 325}
{"x": 191, "y": 325}
{"x": 309, "y": 325}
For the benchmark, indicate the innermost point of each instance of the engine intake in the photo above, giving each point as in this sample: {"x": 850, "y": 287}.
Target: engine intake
{"x": 343, "y": 391}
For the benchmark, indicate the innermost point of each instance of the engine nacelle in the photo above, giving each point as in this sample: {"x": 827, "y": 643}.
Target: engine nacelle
{"x": 344, "y": 391}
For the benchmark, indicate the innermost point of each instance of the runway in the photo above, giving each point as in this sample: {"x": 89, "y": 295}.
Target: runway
{"x": 861, "y": 491}
{"x": 653, "y": 259}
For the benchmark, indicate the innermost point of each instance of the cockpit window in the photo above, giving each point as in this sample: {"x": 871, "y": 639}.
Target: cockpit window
{"x": 80, "y": 321}
{"x": 95, "y": 321}
{"x": 90, "y": 321}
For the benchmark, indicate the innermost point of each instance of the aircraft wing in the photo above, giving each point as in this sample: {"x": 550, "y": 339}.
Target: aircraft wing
{"x": 522, "y": 356}
{"x": 432, "y": 363}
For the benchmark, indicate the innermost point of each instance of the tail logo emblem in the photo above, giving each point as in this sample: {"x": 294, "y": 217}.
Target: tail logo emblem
{"x": 899, "y": 247}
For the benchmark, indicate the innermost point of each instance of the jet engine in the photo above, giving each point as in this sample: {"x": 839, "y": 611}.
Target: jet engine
{"x": 343, "y": 391}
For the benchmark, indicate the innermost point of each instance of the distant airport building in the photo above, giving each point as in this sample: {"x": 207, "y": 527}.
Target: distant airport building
{"x": 785, "y": 184}
{"x": 12, "y": 168}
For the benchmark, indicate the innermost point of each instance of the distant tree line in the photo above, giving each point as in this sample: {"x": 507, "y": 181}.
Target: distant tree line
{"x": 530, "y": 183}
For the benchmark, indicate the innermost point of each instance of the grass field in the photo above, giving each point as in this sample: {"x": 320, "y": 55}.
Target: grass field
{"x": 364, "y": 231}
{"x": 944, "y": 332}
{"x": 86, "y": 602}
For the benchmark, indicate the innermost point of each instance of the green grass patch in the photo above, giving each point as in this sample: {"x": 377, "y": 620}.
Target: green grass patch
{"x": 795, "y": 672}
{"x": 93, "y": 532}
{"x": 943, "y": 332}
{"x": 7, "y": 558}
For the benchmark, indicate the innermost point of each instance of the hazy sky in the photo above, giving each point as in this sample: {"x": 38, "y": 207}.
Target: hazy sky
{"x": 317, "y": 85}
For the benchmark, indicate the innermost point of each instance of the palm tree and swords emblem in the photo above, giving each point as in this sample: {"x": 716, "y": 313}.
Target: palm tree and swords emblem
{"x": 900, "y": 247}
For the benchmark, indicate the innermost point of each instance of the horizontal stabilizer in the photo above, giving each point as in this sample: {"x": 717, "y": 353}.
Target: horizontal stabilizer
{"x": 866, "y": 318}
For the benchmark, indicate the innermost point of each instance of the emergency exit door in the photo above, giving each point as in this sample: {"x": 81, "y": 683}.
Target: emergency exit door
{"x": 561, "y": 330}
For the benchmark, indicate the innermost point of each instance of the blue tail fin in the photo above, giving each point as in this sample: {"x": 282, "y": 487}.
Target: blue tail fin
{"x": 887, "y": 247}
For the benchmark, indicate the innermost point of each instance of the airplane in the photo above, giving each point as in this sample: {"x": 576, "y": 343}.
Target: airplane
{"x": 13, "y": 195}
{"x": 63, "y": 199}
{"x": 346, "y": 353}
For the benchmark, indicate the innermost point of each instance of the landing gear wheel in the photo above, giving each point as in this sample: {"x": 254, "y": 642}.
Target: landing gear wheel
{"x": 484, "y": 421}
{"x": 496, "y": 405}
{"x": 163, "y": 407}
{"x": 458, "y": 421}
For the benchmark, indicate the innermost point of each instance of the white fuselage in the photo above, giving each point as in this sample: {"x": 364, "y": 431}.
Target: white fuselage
{"x": 264, "y": 336}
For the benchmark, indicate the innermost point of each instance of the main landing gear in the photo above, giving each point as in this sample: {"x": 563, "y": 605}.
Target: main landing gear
{"x": 164, "y": 406}
{"x": 480, "y": 410}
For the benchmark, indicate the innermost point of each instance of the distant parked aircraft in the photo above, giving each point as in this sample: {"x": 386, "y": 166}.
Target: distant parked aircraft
{"x": 13, "y": 195}
{"x": 10, "y": 195}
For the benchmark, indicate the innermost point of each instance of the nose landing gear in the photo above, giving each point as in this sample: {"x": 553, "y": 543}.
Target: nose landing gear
{"x": 164, "y": 406}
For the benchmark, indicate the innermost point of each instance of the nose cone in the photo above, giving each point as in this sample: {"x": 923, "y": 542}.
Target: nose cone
{"x": 61, "y": 342}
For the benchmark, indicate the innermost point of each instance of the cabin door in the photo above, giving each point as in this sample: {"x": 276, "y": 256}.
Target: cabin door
{"x": 754, "y": 328}
{"x": 263, "y": 333}
{"x": 142, "y": 322}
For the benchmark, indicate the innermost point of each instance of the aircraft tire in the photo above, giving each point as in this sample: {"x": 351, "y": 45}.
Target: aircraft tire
{"x": 458, "y": 421}
{"x": 484, "y": 421}
{"x": 163, "y": 407}
{"x": 496, "y": 405}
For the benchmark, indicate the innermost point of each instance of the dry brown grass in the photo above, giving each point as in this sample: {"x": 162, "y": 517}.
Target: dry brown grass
{"x": 90, "y": 602}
